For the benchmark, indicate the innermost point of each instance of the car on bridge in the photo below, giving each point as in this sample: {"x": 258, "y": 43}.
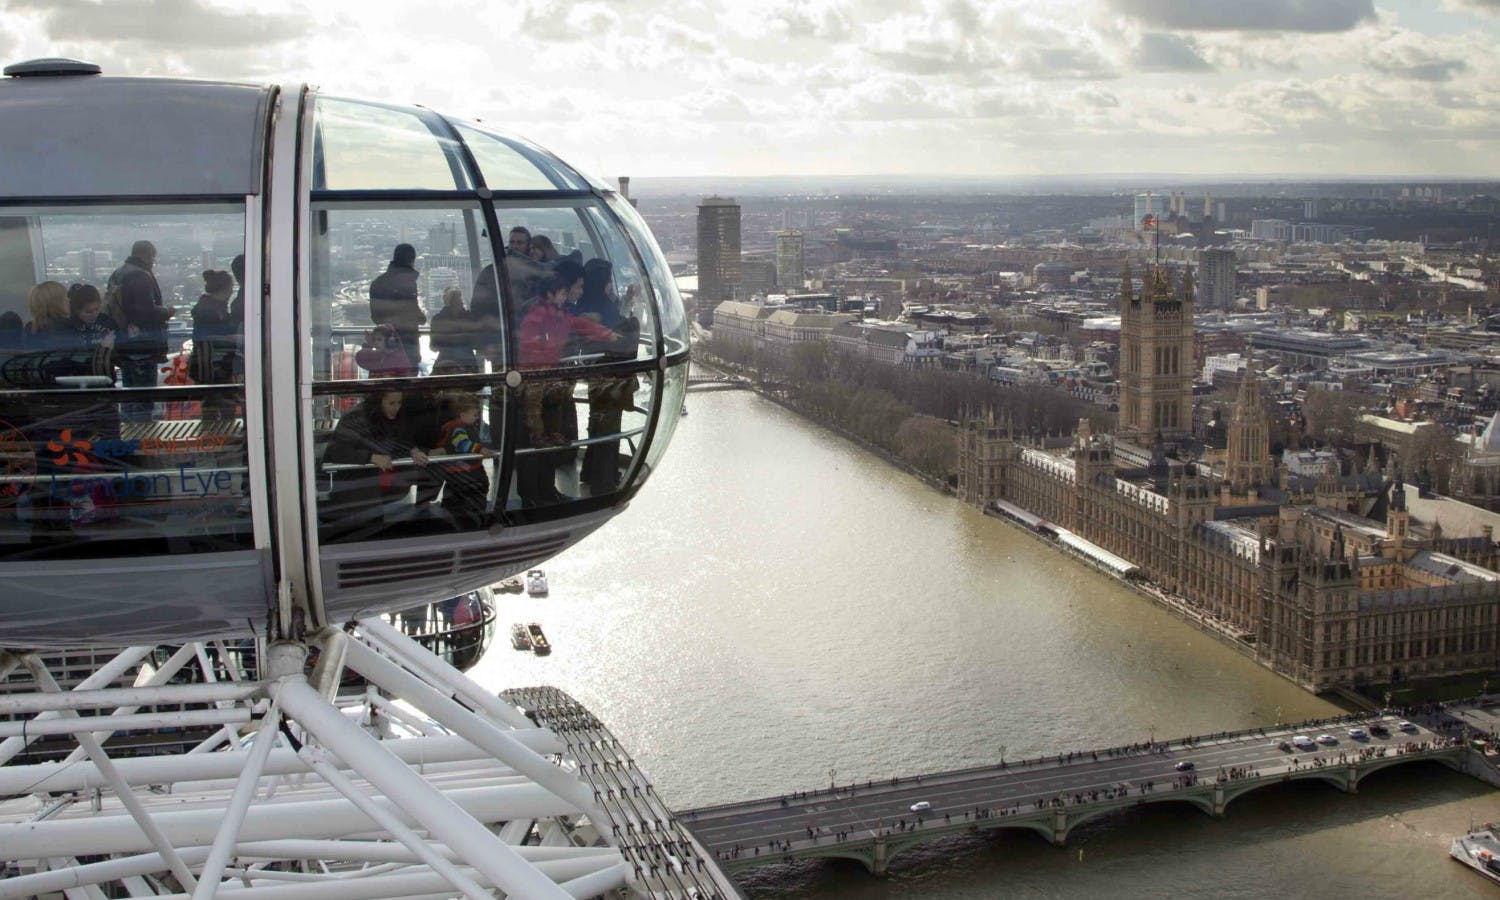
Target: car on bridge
{"x": 921, "y": 806}
{"x": 1303, "y": 742}
{"x": 1359, "y": 734}
{"x": 1328, "y": 739}
{"x": 1185, "y": 766}
{"x": 1406, "y": 726}
{"x": 1380, "y": 730}
{"x": 1284, "y": 746}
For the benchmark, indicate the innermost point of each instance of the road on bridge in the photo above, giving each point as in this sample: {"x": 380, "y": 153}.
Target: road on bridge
{"x": 776, "y": 826}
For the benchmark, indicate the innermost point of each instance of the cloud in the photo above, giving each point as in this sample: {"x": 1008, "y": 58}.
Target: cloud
{"x": 827, "y": 21}
{"x": 1159, "y": 52}
{"x": 1492, "y": 7}
{"x": 1407, "y": 55}
{"x": 1245, "y": 15}
{"x": 166, "y": 24}
{"x": 1065, "y": 62}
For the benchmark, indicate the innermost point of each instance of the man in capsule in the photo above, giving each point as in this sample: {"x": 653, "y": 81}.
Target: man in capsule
{"x": 393, "y": 301}
{"x": 133, "y": 299}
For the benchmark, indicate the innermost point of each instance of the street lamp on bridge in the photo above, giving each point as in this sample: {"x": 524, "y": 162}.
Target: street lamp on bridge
{"x": 832, "y": 773}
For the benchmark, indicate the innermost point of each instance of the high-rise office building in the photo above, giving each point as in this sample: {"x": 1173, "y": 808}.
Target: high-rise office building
{"x": 718, "y": 252}
{"x": 442, "y": 239}
{"x": 1217, "y": 275}
{"x": 790, "y": 265}
{"x": 757, "y": 276}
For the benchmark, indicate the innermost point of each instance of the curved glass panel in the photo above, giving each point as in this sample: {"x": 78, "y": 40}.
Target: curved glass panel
{"x": 674, "y": 322}
{"x": 362, "y": 147}
{"x": 578, "y": 437}
{"x": 402, "y": 289}
{"x": 121, "y": 377}
{"x": 405, "y": 463}
{"x": 673, "y": 406}
{"x": 576, "y": 286}
{"x": 510, "y": 165}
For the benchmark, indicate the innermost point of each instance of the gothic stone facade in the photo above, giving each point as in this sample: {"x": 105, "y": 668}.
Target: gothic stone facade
{"x": 1326, "y": 597}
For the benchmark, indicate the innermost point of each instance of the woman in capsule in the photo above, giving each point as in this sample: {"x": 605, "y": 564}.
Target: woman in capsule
{"x": 372, "y": 436}
{"x": 546, "y": 331}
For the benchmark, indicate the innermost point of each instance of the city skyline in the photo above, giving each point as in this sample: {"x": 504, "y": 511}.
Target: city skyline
{"x": 1282, "y": 88}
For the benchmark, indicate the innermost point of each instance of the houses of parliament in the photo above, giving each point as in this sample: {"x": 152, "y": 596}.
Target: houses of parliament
{"x": 1335, "y": 581}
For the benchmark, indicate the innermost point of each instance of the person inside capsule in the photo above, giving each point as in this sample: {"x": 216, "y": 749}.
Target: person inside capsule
{"x": 546, "y": 332}
{"x": 371, "y": 481}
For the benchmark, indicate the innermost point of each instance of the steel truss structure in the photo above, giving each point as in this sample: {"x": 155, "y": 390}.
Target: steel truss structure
{"x": 421, "y": 785}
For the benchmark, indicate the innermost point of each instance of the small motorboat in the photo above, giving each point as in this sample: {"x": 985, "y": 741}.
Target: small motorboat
{"x": 510, "y": 586}
{"x": 520, "y": 637}
{"x": 539, "y": 644}
{"x": 536, "y": 583}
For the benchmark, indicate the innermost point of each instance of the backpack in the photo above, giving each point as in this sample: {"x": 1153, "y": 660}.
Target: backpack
{"x": 114, "y": 308}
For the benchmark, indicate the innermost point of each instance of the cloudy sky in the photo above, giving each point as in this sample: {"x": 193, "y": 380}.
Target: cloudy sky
{"x": 952, "y": 87}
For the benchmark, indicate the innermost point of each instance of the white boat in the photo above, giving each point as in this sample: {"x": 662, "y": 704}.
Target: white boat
{"x": 536, "y": 583}
{"x": 520, "y": 637}
{"x": 1480, "y": 851}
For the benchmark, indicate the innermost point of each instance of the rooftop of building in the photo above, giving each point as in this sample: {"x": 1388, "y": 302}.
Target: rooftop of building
{"x": 1457, "y": 519}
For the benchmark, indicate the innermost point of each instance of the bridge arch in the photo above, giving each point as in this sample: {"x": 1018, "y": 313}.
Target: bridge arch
{"x": 1337, "y": 776}
{"x": 1369, "y": 767}
{"x": 1203, "y": 803}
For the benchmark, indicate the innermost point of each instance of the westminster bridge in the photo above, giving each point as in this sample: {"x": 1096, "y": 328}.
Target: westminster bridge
{"x": 874, "y": 821}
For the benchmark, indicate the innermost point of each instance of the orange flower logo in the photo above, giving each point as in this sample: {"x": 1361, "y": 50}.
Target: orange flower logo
{"x": 69, "y": 450}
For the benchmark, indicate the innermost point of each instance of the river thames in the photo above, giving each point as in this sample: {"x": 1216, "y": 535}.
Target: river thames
{"x": 779, "y": 603}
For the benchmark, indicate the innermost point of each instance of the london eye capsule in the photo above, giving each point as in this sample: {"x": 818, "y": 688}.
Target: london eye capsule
{"x": 272, "y": 359}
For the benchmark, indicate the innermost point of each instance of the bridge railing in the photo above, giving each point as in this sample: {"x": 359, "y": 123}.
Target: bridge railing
{"x": 1048, "y": 759}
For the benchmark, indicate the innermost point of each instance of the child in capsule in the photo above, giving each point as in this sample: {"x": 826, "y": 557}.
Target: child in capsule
{"x": 466, "y": 485}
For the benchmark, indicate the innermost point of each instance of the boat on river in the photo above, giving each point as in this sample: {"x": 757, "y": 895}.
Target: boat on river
{"x": 539, "y": 644}
{"x": 520, "y": 637}
{"x": 1480, "y": 851}
{"x": 510, "y": 586}
{"x": 536, "y": 583}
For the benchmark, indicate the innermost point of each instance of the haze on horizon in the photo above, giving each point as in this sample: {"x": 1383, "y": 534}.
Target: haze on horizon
{"x": 1002, "y": 89}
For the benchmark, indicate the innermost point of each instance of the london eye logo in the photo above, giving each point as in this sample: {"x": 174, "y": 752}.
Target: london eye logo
{"x": 69, "y": 450}
{"x": 17, "y": 463}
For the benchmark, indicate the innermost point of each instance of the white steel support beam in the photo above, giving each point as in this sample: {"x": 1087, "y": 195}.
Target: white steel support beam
{"x": 160, "y": 677}
{"x": 321, "y": 818}
{"x": 18, "y": 704}
{"x": 208, "y": 676}
{"x": 9, "y": 662}
{"x": 74, "y": 723}
{"x": 397, "y": 714}
{"x": 596, "y": 883}
{"x": 394, "y": 826}
{"x": 124, "y": 662}
{"x": 330, "y": 667}
{"x": 430, "y": 664}
{"x": 437, "y": 813}
{"x": 239, "y": 803}
{"x": 23, "y": 886}
{"x": 482, "y": 733}
{"x": 390, "y": 851}
{"x": 122, "y": 790}
{"x": 184, "y": 771}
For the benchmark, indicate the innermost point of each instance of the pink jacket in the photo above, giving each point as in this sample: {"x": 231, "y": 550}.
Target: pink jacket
{"x": 545, "y": 331}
